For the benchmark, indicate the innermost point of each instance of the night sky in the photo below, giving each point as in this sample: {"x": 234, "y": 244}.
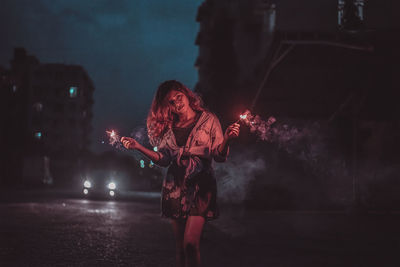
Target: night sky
{"x": 127, "y": 47}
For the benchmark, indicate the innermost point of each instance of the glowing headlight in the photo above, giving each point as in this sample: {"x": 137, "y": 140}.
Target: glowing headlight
{"x": 112, "y": 193}
{"x": 85, "y": 191}
{"x": 112, "y": 186}
{"x": 87, "y": 184}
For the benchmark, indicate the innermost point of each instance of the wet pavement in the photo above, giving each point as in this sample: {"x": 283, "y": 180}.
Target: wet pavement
{"x": 51, "y": 231}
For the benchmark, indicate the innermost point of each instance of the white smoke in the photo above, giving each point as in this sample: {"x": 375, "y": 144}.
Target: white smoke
{"x": 140, "y": 134}
{"x": 257, "y": 125}
{"x": 235, "y": 176}
{"x": 303, "y": 140}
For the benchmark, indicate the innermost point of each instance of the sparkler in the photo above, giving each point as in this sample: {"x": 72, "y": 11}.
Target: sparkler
{"x": 283, "y": 134}
{"x": 242, "y": 117}
{"x": 114, "y": 139}
{"x": 257, "y": 124}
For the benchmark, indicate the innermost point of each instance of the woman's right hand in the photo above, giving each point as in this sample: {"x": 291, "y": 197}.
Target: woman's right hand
{"x": 129, "y": 143}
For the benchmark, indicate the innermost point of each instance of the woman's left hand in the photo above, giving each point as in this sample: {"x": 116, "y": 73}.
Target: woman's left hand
{"x": 232, "y": 131}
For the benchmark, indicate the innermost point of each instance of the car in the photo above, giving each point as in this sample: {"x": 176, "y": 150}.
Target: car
{"x": 102, "y": 183}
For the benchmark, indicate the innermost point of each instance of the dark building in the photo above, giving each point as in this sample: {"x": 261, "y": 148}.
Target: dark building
{"x": 310, "y": 63}
{"x": 240, "y": 40}
{"x": 250, "y": 57}
{"x": 47, "y": 120}
{"x": 233, "y": 41}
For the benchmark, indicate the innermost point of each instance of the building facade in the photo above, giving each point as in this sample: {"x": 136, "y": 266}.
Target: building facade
{"x": 47, "y": 114}
{"x": 233, "y": 41}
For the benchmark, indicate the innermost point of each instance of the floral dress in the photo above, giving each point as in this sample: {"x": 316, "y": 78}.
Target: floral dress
{"x": 190, "y": 188}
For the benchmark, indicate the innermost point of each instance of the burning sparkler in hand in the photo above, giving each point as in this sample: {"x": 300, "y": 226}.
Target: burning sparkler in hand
{"x": 242, "y": 117}
{"x": 257, "y": 124}
{"x": 114, "y": 139}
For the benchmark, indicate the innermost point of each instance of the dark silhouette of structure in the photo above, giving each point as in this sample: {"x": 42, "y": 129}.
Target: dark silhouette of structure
{"x": 46, "y": 120}
{"x": 338, "y": 73}
{"x": 351, "y": 14}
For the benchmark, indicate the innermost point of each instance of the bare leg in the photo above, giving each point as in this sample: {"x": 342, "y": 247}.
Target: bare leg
{"x": 178, "y": 227}
{"x": 191, "y": 242}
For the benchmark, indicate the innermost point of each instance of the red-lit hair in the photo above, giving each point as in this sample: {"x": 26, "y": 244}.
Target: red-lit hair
{"x": 160, "y": 117}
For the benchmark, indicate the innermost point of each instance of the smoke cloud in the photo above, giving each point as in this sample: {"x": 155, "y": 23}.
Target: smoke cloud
{"x": 295, "y": 163}
{"x": 307, "y": 141}
{"x": 235, "y": 175}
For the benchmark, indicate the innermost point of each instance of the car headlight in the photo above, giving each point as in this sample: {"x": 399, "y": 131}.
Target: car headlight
{"x": 112, "y": 186}
{"x": 87, "y": 184}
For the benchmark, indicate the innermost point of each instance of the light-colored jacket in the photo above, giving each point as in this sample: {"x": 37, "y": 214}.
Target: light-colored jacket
{"x": 200, "y": 148}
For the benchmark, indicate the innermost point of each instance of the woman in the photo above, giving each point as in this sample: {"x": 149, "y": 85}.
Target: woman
{"x": 188, "y": 138}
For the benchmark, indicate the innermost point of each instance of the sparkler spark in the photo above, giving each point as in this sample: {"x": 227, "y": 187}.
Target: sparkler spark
{"x": 114, "y": 139}
{"x": 257, "y": 125}
{"x": 282, "y": 134}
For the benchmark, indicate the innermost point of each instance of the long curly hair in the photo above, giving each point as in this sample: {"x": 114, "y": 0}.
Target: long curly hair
{"x": 160, "y": 117}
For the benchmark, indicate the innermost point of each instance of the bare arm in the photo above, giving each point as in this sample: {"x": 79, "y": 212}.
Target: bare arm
{"x": 130, "y": 143}
{"x": 231, "y": 132}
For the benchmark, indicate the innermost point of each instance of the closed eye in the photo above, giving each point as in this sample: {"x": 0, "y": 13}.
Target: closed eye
{"x": 177, "y": 97}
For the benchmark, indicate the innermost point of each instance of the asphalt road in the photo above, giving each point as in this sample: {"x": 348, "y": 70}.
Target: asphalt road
{"x": 76, "y": 232}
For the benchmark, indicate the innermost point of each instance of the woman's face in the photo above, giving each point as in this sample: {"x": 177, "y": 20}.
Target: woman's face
{"x": 178, "y": 102}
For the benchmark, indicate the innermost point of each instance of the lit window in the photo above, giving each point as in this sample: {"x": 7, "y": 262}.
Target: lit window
{"x": 38, "y": 135}
{"x": 73, "y": 91}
